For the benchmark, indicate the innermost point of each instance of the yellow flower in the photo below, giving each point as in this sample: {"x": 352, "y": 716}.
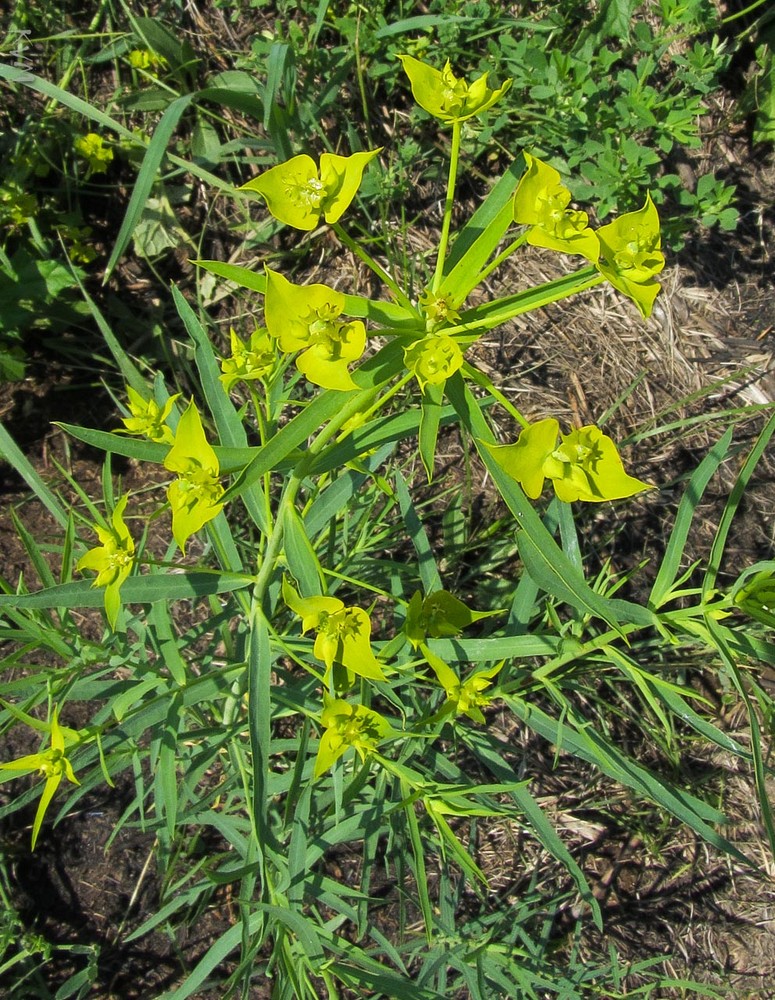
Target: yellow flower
{"x": 347, "y": 726}
{"x": 299, "y": 194}
{"x": 433, "y": 359}
{"x": 447, "y": 97}
{"x": 112, "y": 560}
{"x": 305, "y": 318}
{"x": 93, "y": 149}
{"x": 195, "y": 495}
{"x": 463, "y": 697}
{"x": 343, "y": 633}
{"x": 630, "y": 255}
{"x": 584, "y": 466}
{"x": 52, "y": 764}
{"x": 541, "y": 201}
{"x": 148, "y": 418}
{"x": 249, "y": 360}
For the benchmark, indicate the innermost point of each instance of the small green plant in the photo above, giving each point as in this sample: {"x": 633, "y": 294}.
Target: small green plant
{"x": 332, "y": 692}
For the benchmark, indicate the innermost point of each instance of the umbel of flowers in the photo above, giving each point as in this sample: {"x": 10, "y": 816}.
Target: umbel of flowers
{"x": 319, "y": 329}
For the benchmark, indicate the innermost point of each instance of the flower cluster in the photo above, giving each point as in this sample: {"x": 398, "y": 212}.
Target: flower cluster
{"x": 626, "y": 251}
{"x": 52, "y": 764}
{"x": 194, "y": 496}
{"x": 250, "y": 360}
{"x": 112, "y": 560}
{"x": 91, "y": 147}
{"x": 306, "y": 318}
{"x": 300, "y": 194}
{"x": 446, "y": 96}
{"x": 148, "y": 419}
{"x": 584, "y": 465}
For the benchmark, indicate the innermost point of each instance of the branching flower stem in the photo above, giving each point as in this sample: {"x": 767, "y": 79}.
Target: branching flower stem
{"x": 369, "y": 261}
{"x": 454, "y": 159}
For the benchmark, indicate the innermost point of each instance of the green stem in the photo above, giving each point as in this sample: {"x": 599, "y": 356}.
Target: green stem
{"x": 514, "y": 245}
{"x": 529, "y": 303}
{"x": 369, "y": 261}
{"x": 275, "y": 540}
{"x": 380, "y": 402}
{"x": 454, "y": 157}
{"x": 481, "y": 379}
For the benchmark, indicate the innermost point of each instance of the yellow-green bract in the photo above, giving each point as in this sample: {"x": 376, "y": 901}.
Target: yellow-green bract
{"x": 463, "y": 697}
{"x": 148, "y": 418}
{"x": 251, "y": 359}
{"x": 433, "y": 359}
{"x": 343, "y": 633}
{"x": 446, "y": 96}
{"x": 111, "y": 560}
{"x": 306, "y": 318}
{"x": 541, "y": 202}
{"x": 299, "y": 194}
{"x": 630, "y": 255}
{"x": 52, "y": 764}
{"x": 93, "y": 149}
{"x": 439, "y": 615}
{"x": 194, "y": 496}
{"x": 584, "y": 466}
{"x": 347, "y": 726}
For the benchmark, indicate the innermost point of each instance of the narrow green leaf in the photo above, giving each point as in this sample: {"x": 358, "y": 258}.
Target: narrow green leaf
{"x": 12, "y": 454}
{"x": 137, "y": 590}
{"x": 300, "y": 555}
{"x": 676, "y": 546}
{"x": 429, "y": 573}
{"x": 430, "y": 419}
{"x": 146, "y": 177}
{"x": 733, "y": 502}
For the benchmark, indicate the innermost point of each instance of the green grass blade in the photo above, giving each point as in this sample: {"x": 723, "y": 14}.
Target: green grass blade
{"x": 671, "y": 561}
{"x": 146, "y": 177}
{"x": 733, "y": 502}
{"x": 11, "y": 453}
{"x": 429, "y": 571}
{"x": 136, "y": 590}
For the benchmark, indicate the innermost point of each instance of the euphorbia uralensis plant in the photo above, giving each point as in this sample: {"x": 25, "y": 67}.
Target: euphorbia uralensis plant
{"x": 326, "y": 331}
{"x": 342, "y": 660}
